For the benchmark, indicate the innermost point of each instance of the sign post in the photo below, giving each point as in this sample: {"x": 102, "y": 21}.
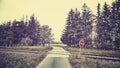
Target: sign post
{"x": 81, "y": 44}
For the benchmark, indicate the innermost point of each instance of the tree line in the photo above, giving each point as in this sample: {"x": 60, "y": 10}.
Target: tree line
{"x": 106, "y": 28}
{"x": 27, "y": 32}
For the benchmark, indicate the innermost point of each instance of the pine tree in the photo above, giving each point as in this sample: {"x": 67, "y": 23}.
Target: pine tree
{"x": 87, "y": 20}
{"x": 98, "y": 27}
{"x": 68, "y": 35}
{"x": 78, "y": 28}
{"x": 115, "y": 19}
{"x": 98, "y": 11}
{"x": 107, "y": 27}
{"x": 104, "y": 28}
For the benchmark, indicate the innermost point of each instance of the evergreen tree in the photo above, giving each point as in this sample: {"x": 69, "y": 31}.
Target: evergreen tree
{"x": 87, "y": 20}
{"x": 68, "y": 35}
{"x": 107, "y": 40}
{"x": 98, "y": 11}
{"x": 104, "y": 39}
{"x": 78, "y": 28}
{"x": 108, "y": 34}
{"x": 98, "y": 39}
{"x": 115, "y": 19}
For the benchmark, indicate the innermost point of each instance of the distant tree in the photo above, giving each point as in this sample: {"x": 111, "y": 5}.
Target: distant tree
{"x": 19, "y": 31}
{"x": 26, "y": 41}
{"x": 26, "y": 32}
{"x": 34, "y": 30}
{"x": 46, "y": 35}
{"x": 6, "y": 34}
{"x": 9, "y": 34}
{"x": 65, "y": 38}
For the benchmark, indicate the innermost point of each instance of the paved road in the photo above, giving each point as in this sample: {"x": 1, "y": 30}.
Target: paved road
{"x": 56, "y": 58}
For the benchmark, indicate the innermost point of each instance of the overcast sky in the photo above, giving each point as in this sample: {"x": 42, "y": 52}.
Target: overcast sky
{"x": 48, "y": 12}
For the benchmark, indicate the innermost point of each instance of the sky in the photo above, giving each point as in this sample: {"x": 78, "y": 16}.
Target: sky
{"x": 48, "y": 12}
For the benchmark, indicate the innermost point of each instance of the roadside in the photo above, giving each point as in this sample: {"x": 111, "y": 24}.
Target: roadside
{"x": 91, "y": 58}
{"x": 94, "y": 52}
{"x": 22, "y": 57}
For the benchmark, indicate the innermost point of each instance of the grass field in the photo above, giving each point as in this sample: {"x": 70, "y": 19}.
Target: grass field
{"x": 83, "y": 62}
{"x": 80, "y": 61}
{"x": 26, "y": 47}
{"x": 22, "y": 60}
{"x": 111, "y": 53}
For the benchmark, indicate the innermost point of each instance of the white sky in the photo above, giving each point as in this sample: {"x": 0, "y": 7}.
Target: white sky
{"x": 48, "y": 12}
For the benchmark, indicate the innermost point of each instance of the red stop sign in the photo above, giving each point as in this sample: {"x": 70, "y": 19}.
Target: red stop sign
{"x": 81, "y": 42}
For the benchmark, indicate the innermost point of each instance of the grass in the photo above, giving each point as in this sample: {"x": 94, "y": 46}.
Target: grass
{"x": 8, "y": 60}
{"x": 58, "y": 45}
{"x": 26, "y": 47}
{"x": 80, "y": 61}
{"x": 110, "y": 53}
{"x": 83, "y": 62}
{"x": 18, "y": 60}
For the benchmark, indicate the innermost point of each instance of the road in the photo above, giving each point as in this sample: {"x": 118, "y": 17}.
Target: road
{"x": 56, "y": 58}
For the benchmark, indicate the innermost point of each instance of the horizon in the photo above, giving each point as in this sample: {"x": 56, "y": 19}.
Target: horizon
{"x": 52, "y": 13}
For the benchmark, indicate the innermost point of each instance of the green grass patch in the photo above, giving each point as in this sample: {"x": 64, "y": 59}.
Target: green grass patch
{"x": 111, "y": 53}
